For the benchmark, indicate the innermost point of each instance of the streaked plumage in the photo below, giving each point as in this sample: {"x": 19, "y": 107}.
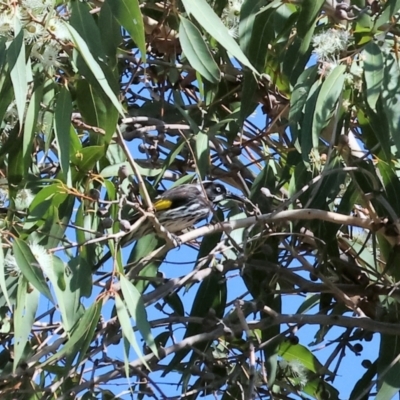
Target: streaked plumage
{"x": 183, "y": 206}
{"x": 179, "y": 208}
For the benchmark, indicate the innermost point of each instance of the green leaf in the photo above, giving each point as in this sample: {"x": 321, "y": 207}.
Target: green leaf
{"x": 211, "y": 295}
{"x": 83, "y": 332}
{"x": 47, "y": 193}
{"x": 110, "y": 32}
{"x": 298, "y": 53}
{"x": 248, "y": 102}
{"x": 310, "y": 10}
{"x": 62, "y": 126}
{"x": 24, "y": 317}
{"x": 95, "y": 68}
{"x": 373, "y": 72}
{"x": 306, "y": 138}
{"x": 127, "y": 13}
{"x": 363, "y": 383}
{"x": 319, "y": 389}
{"x": 391, "y": 185}
{"x": 310, "y": 302}
{"x": 143, "y": 247}
{"x": 80, "y": 282}
{"x": 17, "y": 62}
{"x": 16, "y": 168}
{"x": 67, "y": 299}
{"x": 96, "y": 110}
{"x": 375, "y": 128}
{"x": 197, "y": 51}
{"x": 256, "y": 50}
{"x": 388, "y": 380}
{"x": 290, "y": 352}
{"x": 262, "y": 36}
{"x": 206, "y": 17}
{"x": 87, "y": 158}
{"x": 299, "y": 97}
{"x": 137, "y": 310}
{"x": 170, "y": 159}
{"x": 202, "y": 153}
{"x": 328, "y": 96}
{"x": 391, "y": 98}
{"x": 248, "y": 13}
{"x": 390, "y": 8}
{"x": 46, "y": 118}
{"x": 30, "y": 267}
{"x": 3, "y": 285}
{"x": 91, "y": 319}
{"x": 127, "y": 331}
{"x": 30, "y": 123}
{"x": 85, "y": 25}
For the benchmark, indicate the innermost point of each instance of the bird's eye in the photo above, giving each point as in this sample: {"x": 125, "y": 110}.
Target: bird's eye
{"x": 218, "y": 189}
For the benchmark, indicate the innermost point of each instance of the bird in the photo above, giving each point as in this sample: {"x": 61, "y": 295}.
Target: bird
{"x": 181, "y": 207}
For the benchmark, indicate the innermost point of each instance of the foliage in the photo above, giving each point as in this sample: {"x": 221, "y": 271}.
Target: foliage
{"x": 292, "y": 105}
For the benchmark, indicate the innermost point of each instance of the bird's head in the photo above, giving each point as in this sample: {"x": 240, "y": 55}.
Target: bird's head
{"x": 217, "y": 192}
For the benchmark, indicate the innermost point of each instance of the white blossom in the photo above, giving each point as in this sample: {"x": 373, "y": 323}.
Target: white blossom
{"x": 33, "y": 32}
{"x": 50, "y": 57}
{"x": 37, "y": 6}
{"x": 58, "y": 29}
{"x": 326, "y": 67}
{"x": 6, "y": 23}
{"x": 230, "y": 16}
{"x": 10, "y": 117}
{"x": 43, "y": 258}
{"x": 23, "y": 199}
{"x": 11, "y": 265}
{"x": 329, "y": 43}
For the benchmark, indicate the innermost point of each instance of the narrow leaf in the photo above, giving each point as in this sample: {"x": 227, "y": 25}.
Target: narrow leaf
{"x": 30, "y": 122}
{"x": 197, "y": 52}
{"x": 327, "y": 98}
{"x": 388, "y": 380}
{"x": 24, "y": 317}
{"x": 202, "y": 153}
{"x": 30, "y": 268}
{"x": 391, "y": 98}
{"x": 94, "y": 67}
{"x": 3, "y": 285}
{"x": 16, "y": 60}
{"x": 136, "y": 308}
{"x": 126, "y": 326}
{"x": 82, "y": 331}
{"x": 84, "y": 23}
{"x": 62, "y": 127}
{"x": 291, "y": 352}
{"x": 373, "y": 73}
{"x": 206, "y": 17}
{"x": 127, "y": 13}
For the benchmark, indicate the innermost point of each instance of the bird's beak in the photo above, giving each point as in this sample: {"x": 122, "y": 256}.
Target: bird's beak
{"x": 234, "y": 197}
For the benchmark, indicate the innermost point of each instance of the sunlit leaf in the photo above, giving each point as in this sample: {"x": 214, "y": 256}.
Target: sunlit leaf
{"x": 62, "y": 128}
{"x": 94, "y": 67}
{"x": 17, "y": 62}
{"x": 197, "y": 52}
{"x": 127, "y": 330}
{"x": 27, "y": 304}
{"x": 206, "y": 17}
{"x": 127, "y": 13}
{"x": 30, "y": 268}
{"x": 373, "y": 72}
{"x": 134, "y": 302}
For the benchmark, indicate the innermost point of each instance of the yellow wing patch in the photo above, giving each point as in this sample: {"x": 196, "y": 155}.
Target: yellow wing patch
{"x": 162, "y": 204}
